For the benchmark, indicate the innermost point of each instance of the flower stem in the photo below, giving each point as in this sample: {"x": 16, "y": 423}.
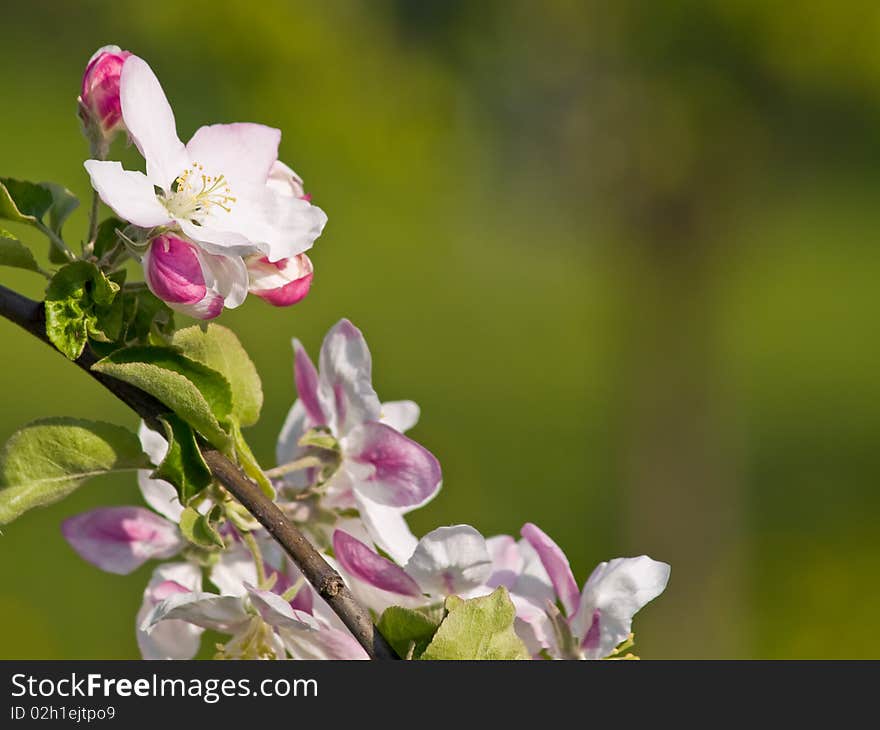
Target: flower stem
{"x": 306, "y": 462}
{"x": 251, "y": 542}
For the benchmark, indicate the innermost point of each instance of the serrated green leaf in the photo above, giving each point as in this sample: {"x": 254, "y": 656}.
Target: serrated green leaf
{"x": 48, "y": 459}
{"x": 199, "y": 395}
{"x": 183, "y": 465}
{"x": 219, "y": 349}
{"x": 409, "y": 631}
{"x": 197, "y": 528}
{"x": 478, "y": 628}
{"x": 78, "y": 305}
{"x": 14, "y": 253}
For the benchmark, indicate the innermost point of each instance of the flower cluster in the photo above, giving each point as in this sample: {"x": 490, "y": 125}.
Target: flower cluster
{"x": 212, "y": 219}
{"x": 348, "y": 475}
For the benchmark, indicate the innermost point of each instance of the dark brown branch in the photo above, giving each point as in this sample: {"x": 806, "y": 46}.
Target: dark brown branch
{"x": 30, "y": 316}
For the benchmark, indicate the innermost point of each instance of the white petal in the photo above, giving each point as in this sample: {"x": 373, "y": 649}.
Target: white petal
{"x": 387, "y": 528}
{"x": 129, "y": 194}
{"x": 150, "y": 122}
{"x": 345, "y": 367}
{"x": 153, "y": 443}
{"x": 614, "y": 592}
{"x": 228, "y": 276}
{"x": 233, "y": 569}
{"x": 242, "y": 153}
{"x": 208, "y": 610}
{"x": 401, "y": 415}
{"x": 170, "y": 639}
{"x": 450, "y": 560}
{"x": 288, "y": 449}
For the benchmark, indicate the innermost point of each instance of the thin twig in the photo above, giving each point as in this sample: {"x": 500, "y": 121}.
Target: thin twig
{"x": 30, "y": 316}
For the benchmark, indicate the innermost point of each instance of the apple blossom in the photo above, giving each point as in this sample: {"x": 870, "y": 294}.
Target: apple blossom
{"x": 381, "y": 472}
{"x": 215, "y": 189}
{"x": 447, "y": 561}
{"x": 190, "y": 280}
{"x": 262, "y": 625}
{"x": 121, "y": 539}
{"x": 598, "y": 618}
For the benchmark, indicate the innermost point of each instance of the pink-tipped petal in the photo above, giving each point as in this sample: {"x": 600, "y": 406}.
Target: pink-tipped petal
{"x": 129, "y": 194}
{"x": 281, "y": 283}
{"x": 306, "y": 377}
{"x": 100, "y": 88}
{"x": 346, "y": 378}
{"x": 393, "y": 470}
{"x": 450, "y": 561}
{"x": 150, "y": 123}
{"x": 556, "y": 565}
{"x": 613, "y": 594}
{"x": 366, "y": 565}
{"x": 171, "y": 639}
{"x": 173, "y": 271}
{"x": 121, "y": 539}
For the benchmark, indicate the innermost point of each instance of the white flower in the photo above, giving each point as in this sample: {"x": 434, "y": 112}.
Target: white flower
{"x": 216, "y": 189}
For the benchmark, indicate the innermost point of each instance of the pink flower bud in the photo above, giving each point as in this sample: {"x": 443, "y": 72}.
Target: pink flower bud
{"x": 281, "y": 283}
{"x": 175, "y": 271}
{"x": 99, "y": 100}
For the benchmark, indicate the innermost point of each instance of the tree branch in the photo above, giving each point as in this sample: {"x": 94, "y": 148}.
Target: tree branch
{"x": 30, "y": 315}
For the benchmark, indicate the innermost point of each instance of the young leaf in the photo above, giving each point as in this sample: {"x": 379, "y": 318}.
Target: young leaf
{"x": 407, "y": 630}
{"x": 219, "y": 348}
{"x": 63, "y": 204}
{"x": 478, "y": 628}
{"x": 46, "y": 460}
{"x": 198, "y": 528}
{"x": 106, "y": 240}
{"x": 148, "y": 319}
{"x": 183, "y": 465}
{"x": 199, "y": 395}
{"x": 14, "y": 253}
{"x": 27, "y": 202}
{"x": 79, "y": 303}
{"x": 23, "y": 202}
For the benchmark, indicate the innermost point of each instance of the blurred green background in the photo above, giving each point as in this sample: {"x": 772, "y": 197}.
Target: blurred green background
{"x": 623, "y": 255}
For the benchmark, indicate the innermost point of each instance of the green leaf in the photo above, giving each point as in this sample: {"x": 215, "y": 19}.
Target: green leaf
{"x": 79, "y": 304}
{"x": 63, "y": 204}
{"x": 249, "y": 463}
{"x": 46, "y": 460}
{"x": 106, "y": 240}
{"x": 219, "y": 348}
{"x": 409, "y": 631}
{"x": 149, "y": 320}
{"x": 183, "y": 465}
{"x": 23, "y": 202}
{"x": 198, "y": 528}
{"x": 478, "y": 628}
{"x": 27, "y": 202}
{"x": 14, "y": 253}
{"x": 199, "y": 395}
